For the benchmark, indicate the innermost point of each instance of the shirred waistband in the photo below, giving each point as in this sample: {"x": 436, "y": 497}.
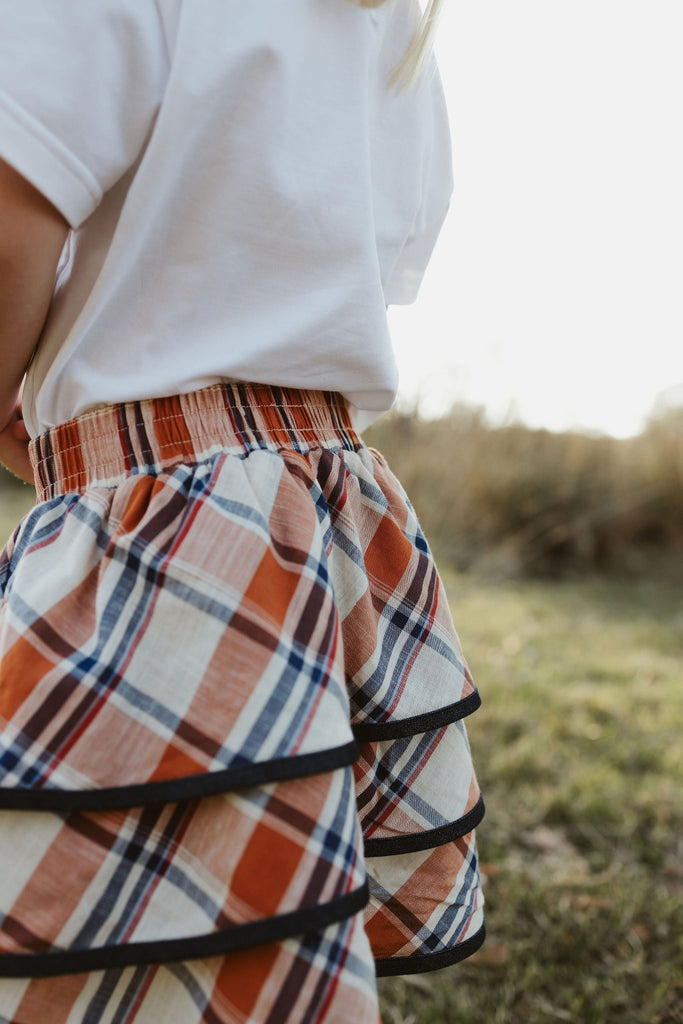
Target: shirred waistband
{"x": 108, "y": 444}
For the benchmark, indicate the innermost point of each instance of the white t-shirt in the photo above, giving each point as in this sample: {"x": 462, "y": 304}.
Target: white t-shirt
{"x": 246, "y": 192}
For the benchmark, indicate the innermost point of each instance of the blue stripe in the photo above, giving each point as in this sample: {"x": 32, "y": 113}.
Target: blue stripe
{"x": 433, "y": 939}
{"x": 396, "y": 788}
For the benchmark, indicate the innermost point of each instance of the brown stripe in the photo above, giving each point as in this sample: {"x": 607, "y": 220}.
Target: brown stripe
{"x": 73, "y": 464}
{"x": 92, "y": 827}
{"x": 28, "y": 941}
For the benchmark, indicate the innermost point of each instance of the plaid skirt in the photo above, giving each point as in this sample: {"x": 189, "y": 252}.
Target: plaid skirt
{"x": 235, "y": 782}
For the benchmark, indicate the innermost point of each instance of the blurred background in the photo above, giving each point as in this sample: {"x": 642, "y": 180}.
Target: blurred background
{"x": 539, "y": 433}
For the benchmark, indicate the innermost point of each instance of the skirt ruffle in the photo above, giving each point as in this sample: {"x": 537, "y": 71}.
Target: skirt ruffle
{"x": 231, "y": 712}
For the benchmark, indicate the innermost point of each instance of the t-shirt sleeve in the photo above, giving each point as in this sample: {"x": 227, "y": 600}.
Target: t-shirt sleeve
{"x": 437, "y": 187}
{"x": 80, "y": 86}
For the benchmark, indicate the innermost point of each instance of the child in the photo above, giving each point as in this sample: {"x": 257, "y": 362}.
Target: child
{"x": 235, "y": 780}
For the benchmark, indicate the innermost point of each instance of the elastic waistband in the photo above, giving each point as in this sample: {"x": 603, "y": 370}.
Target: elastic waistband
{"x": 106, "y": 445}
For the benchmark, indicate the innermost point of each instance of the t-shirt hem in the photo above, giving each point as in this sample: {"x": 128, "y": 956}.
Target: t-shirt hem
{"x": 403, "y": 288}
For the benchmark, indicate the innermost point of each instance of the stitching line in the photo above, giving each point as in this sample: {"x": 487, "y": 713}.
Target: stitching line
{"x": 91, "y": 438}
{"x": 107, "y": 411}
{"x": 91, "y": 473}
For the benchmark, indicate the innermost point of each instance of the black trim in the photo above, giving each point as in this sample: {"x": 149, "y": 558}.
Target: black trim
{"x": 429, "y": 839}
{"x": 228, "y": 940}
{"x": 395, "y": 730}
{"x": 390, "y": 966}
{"x": 187, "y": 787}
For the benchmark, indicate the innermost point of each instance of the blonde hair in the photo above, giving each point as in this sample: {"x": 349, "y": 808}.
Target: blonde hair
{"x": 415, "y": 57}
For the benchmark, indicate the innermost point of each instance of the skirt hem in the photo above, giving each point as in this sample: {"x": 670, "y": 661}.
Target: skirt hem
{"x": 429, "y": 840}
{"x": 228, "y": 940}
{"x": 186, "y": 787}
{"x": 426, "y": 722}
{"x": 390, "y": 967}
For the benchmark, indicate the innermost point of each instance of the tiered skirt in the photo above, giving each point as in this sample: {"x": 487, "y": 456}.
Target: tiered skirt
{"x": 235, "y": 781}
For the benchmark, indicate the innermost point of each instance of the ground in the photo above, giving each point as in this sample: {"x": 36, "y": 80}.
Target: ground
{"x": 578, "y": 750}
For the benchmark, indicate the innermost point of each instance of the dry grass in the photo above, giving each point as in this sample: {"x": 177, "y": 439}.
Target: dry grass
{"x": 519, "y": 501}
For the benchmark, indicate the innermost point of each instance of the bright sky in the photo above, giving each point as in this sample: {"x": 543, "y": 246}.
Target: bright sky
{"x": 555, "y": 293}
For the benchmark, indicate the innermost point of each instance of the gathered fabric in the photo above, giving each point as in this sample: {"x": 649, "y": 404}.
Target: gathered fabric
{"x": 235, "y": 780}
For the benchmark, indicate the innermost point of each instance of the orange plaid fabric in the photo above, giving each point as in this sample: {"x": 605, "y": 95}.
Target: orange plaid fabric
{"x": 235, "y": 782}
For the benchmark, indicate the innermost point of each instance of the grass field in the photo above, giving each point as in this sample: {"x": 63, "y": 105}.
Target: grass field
{"x": 578, "y": 750}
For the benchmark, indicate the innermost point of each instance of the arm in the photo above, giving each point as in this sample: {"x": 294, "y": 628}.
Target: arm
{"x": 32, "y": 235}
